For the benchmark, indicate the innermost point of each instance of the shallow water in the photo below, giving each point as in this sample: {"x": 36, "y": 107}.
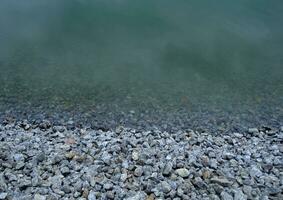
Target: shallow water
{"x": 139, "y": 53}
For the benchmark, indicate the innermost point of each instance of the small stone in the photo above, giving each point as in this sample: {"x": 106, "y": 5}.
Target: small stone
{"x": 110, "y": 195}
{"x": 183, "y": 172}
{"x": 3, "y": 195}
{"x": 135, "y": 155}
{"x": 56, "y": 181}
{"x": 123, "y": 177}
{"x": 66, "y": 189}
{"x": 40, "y": 157}
{"x": 108, "y": 186}
{"x": 106, "y": 158}
{"x": 239, "y": 195}
{"x": 206, "y": 174}
{"x": 44, "y": 125}
{"x": 91, "y": 195}
{"x": 255, "y": 172}
{"x": 167, "y": 169}
{"x": 150, "y": 197}
{"x": 180, "y": 192}
{"x": 227, "y": 156}
{"x": 79, "y": 158}
{"x": 225, "y": 196}
{"x": 20, "y": 165}
{"x": 19, "y": 157}
{"x": 166, "y": 187}
{"x": 247, "y": 190}
{"x": 238, "y": 135}
{"x": 213, "y": 164}
{"x": 77, "y": 194}
{"x": 70, "y": 155}
{"x": 138, "y": 171}
{"x": 221, "y": 181}
{"x": 217, "y": 188}
{"x": 253, "y": 130}
{"x": 85, "y": 193}
{"x": 137, "y": 196}
{"x": 274, "y": 191}
{"x": 65, "y": 171}
{"x": 205, "y": 161}
{"x": 57, "y": 159}
{"x": 24, "y": 183}
{"x": 39, "y": 197}
{"x": 199, "y": 183}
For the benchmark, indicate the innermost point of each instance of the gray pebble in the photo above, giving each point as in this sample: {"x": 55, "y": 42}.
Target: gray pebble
{"x": 166, "y": 187}
{"x": 167, "y": 169}
{"x": 225, "y": 196}
{"x": 183, "y": 172}
{"x": 3, "y": 195}
{"x": 138, "y": 171}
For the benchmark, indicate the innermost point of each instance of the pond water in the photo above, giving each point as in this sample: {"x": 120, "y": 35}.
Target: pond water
{"x": 162, "y": 54}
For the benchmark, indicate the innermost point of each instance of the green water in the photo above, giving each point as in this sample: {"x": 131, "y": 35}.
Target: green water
{"x": 183, "y": 51}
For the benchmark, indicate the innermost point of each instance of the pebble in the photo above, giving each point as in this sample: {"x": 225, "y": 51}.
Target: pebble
{"x": 3, "y": 195}
{"x": 167, "y": 169}
{"x": 136, "y": 164}
{"x": 221, "y": 181}
{"x": 239, "y": 195}
{"x": 137, "y": 196}
{"x": 40, "y": 157}
{"x": 108, "y": 186}
{"x": 138, "y": 171}
{"x": 166, "y": 188}
{"x": 255, "y": 172}
{"x": 253, "y": 130}
{"x": 65, "y": 170}
{"x": 135, "y": 155}
{"x": 225, "y": 196}
{"x": 39, "y": 197}
{"x": 199, "y": 183}
{"x": 91, "y": 195}
{"x": 183, "y": 172}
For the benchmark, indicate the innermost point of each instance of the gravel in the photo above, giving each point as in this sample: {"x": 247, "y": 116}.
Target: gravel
{"x": 68, "y": 162}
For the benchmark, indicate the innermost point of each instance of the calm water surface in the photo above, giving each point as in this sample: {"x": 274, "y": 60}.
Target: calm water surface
{"x": 140, "y": 53}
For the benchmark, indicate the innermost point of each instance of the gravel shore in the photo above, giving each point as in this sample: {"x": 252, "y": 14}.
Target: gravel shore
{"x": 43, "y": 161}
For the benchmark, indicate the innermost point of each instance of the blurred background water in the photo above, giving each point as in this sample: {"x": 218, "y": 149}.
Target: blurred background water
{"x": 166, "y": 52}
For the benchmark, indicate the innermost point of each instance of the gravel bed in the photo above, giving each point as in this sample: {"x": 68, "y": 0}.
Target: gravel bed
{"x": 43, "y": 161}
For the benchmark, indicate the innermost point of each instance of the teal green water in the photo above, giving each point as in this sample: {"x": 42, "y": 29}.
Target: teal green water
{"x": 159, "y": 50}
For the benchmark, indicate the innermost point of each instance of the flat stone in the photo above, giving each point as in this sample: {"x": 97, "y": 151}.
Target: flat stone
{"x": 24, "y": 183}
{"x": 39, "y": 197}
{"x": 138, "y": 171}
{"x": 199, "y": 183}
{"x": 183, "y": 172}
{"x": 135, "y": 155}
{"x": 40, "y": 157}
{"x": 3, "y": 195}
{"x": 166, "y": 187}
{"x": 167, "y": 169}
{"x": 221, "y": 181}
{"x": 137, "y": 196}
{"x": 20, "y": 165}
{"x": 65, "y": 170}
{"x": 225, "y": 196}
{"x": 255, "y": 172}
{"x": 239, "y": 195}
{"x": 123, "y": 177}
{"x": 253, "y": 130}
{"x": 19, "y": 157}
{"x": 91, "y": 195}
{"x": 108, "y": 186}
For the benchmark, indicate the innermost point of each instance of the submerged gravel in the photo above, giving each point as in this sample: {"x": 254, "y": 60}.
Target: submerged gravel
{"x": 44, "y": 161}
